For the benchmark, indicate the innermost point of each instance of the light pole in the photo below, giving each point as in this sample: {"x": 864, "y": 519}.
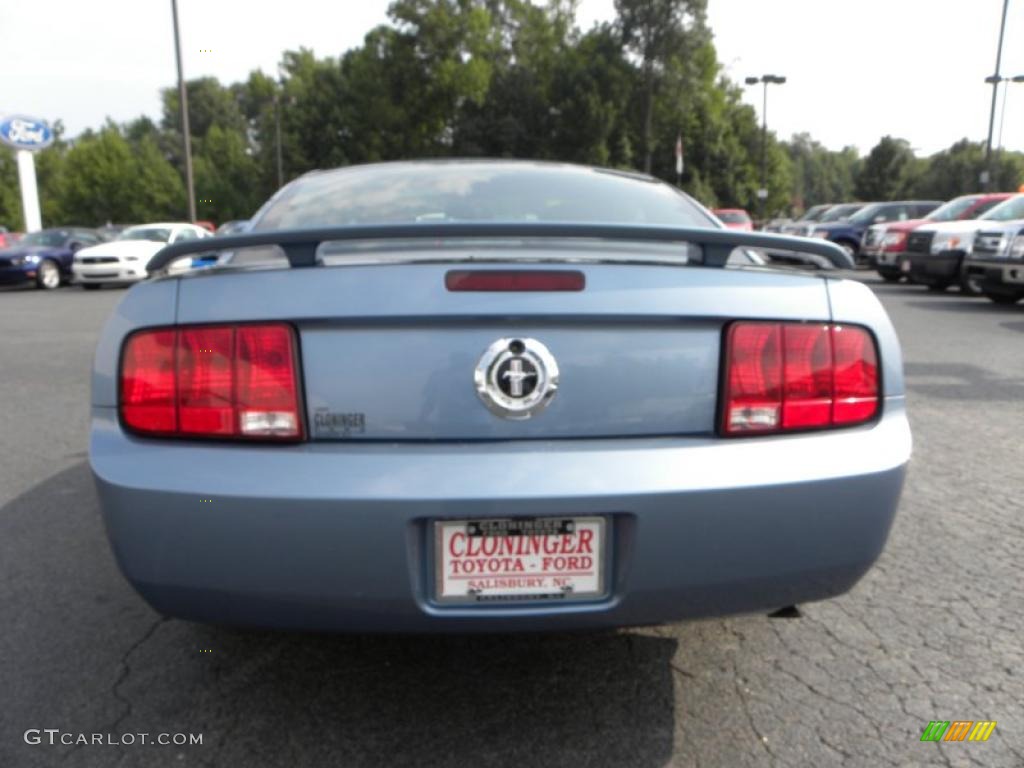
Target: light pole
{"x": 183, "y": 107}
{"x": 277, "y": 140}
{"x": 986, "y": 175}
{"x": 762, "y": 193}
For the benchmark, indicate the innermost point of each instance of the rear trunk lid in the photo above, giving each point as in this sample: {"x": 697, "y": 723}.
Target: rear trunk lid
{"x": 389, "y": 353}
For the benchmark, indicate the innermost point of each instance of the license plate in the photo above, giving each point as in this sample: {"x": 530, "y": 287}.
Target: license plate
{"x": 515, "y": 559}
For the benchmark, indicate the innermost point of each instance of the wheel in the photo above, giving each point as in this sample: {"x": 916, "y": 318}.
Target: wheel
{"x": 90, "y": 286}
{"x": 890, "y": 277}
{"x": 969, "y": 285}
{"x": 48, "y": 275}
{"x": 1003, "y": 298}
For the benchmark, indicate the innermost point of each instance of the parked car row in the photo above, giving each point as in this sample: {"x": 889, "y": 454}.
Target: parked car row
{"x": 114, "y": 254}
{"x": 974, "y": 241}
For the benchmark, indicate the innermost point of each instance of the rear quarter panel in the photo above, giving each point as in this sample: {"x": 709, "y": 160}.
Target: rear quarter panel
{"x": 853, "y": 302}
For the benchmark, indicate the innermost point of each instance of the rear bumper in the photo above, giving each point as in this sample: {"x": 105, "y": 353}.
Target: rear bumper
{"x": 334, "y": 536}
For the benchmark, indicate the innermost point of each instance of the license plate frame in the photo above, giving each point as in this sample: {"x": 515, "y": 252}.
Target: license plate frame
{"x": 595, "y": 584}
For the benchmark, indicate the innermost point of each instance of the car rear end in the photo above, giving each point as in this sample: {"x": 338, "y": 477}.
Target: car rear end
{"x": 309, "y": 448}
{"x": 493, "y": 401}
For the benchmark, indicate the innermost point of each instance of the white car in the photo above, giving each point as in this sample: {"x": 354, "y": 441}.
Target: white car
{"x": 124, "y": 259}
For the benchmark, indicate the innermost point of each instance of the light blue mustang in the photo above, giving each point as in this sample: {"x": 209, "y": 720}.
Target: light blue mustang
{"x": 482, "y": 395}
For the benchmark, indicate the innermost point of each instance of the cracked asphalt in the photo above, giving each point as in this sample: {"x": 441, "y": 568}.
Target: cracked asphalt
{"x": 934, "y": 632}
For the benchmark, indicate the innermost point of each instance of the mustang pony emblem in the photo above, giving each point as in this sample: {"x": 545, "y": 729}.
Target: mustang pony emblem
{"x": 516, "y": 378}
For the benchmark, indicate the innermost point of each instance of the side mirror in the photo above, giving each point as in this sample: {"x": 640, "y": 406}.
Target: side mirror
{"x": 74, "y": 246}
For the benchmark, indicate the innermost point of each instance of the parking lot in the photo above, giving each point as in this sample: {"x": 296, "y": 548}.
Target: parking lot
{"x": 934, "y": 632}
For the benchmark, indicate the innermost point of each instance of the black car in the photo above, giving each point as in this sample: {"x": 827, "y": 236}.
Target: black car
{"x": 45, "y": 257}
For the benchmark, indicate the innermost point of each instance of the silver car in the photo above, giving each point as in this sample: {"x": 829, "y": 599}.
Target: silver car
{"x": 494, "y": 396}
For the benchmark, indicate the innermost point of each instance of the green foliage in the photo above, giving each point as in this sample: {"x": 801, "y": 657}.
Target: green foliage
{"x": 663, "y": 35}
{"x": 496, "y": 78}
{"x": 889, "y": 172}
{"x": 10, "y": 197}
{"x": 820, "y": 175}
{"x": 227, "y": 175}
{"x": 957, "y": 170}
{"x": 105, "y": 178}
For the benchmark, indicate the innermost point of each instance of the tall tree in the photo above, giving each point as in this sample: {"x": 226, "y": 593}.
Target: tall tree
{"x": 819, "y": 174}
{"x": 105, "y": 179}
{"x": 655, "y": 31}
{"x": 228, "y": 176}
{"x": 889, "y": 170}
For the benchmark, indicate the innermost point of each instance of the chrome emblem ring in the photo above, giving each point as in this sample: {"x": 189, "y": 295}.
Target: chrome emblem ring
{"x": 516, "y": 378}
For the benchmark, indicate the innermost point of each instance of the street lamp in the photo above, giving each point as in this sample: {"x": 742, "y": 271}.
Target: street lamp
{"x": 183, "y": 108}
{"x": 986, "y": 175}
{"x": 994, "y": 81}
{"x": 762, "y": 193}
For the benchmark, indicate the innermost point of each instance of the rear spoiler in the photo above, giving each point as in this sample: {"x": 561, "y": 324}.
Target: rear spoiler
{"x": 300, "y": 245}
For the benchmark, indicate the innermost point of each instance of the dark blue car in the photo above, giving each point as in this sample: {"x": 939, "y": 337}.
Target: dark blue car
{"x": 45, "y": 257}
{"x": 848, "y": 233}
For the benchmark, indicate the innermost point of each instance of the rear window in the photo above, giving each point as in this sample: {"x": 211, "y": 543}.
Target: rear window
{"x": 452, "y": 192}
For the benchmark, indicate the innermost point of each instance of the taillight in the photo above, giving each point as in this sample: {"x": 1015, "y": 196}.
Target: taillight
{"x": 231, "y": 381}
{"x": 789, "y": 376}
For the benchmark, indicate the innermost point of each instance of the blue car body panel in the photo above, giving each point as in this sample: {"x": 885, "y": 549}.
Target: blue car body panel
{"x": 335, "y": 533}
{"x": 335, "y": 536}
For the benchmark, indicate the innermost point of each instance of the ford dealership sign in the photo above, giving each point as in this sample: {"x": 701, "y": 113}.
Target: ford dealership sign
{"x": 25, "y": 132}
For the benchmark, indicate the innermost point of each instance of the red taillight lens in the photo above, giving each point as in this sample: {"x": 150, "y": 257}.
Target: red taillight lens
{"x": 789, "y": 376}
{"x": 212, "y": 381}
{"x": 807, "y": 376}
{"x": 206, "y": 381}
{"x": 266, "y": 392}
{"x": 754, "y": 377}
{"x": 148, "y": 382}
{"x": 855, "y": 365}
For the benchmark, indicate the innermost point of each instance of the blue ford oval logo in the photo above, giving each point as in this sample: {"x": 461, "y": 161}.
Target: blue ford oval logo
{"x": 25, "y": 132}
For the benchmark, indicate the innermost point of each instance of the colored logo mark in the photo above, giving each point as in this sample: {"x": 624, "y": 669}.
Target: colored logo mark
{"x": 958, "y": 730}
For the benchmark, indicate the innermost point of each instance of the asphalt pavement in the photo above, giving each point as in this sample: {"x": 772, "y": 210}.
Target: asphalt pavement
{"x": 934, "y": 632}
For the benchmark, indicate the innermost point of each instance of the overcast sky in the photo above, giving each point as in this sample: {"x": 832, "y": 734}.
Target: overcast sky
{"x": 856, "y": 70}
